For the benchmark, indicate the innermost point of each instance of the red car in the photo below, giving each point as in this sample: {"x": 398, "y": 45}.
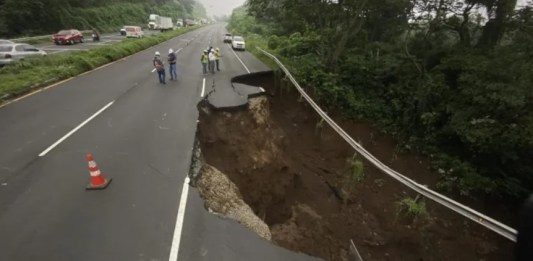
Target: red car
{"x": 71, "y": 36}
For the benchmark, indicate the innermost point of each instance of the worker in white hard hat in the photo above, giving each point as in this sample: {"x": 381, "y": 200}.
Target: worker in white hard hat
{"x": 160, "y": 67}
{"x": 217, "y": 58}
{"x": 172, "y": 58}
{"x": 211, "y": 58}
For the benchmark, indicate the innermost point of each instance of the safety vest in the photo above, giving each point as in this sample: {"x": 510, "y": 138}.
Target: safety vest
{"x": 204, "y": 58}
{"x": 217, "y": 55}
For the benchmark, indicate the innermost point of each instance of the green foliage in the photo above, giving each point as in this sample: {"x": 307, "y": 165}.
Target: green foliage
{"x": 356, "y": 170}
{"x": 30, "y": 17}
{"x": 435, "y": 77}
{"x": 354, "y": 174}
{"x": 415, "y": 209}
{"x": 21, "y": 77}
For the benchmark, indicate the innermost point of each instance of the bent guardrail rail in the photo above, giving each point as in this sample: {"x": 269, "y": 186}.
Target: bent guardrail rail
{"x": 486, "y": 221}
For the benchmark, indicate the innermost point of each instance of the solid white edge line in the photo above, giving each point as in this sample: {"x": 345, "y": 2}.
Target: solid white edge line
{"x": 175, "y": 247}
{"x": 74, "y": 130}
{"x": 203, "y": 88}
{"x": 240, "y": 60}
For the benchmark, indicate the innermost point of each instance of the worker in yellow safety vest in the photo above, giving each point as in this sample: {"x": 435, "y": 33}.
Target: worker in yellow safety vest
{"x": 204, "y": 61}
{"x": 217, "y": 57}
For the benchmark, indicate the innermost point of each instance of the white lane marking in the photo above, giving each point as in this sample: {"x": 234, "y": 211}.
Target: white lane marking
{"x": 174, "y": 249}
{"x": 75, "y": 129}
{"x": 203, "y": 88}
{"x": 153, "y": 70}
{"x": 240, "y": 60}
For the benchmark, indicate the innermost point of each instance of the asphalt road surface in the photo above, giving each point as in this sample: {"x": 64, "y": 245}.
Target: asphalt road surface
{"x": 141, "y": 134}
{"x": 105, "y": 39}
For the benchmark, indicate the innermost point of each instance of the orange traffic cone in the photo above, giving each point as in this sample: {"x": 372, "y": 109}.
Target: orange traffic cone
{"x": 97, "y": 179}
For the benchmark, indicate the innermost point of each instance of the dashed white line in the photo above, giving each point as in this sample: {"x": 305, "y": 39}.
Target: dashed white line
{"x": 74, "y": 130}
{"x": 240, "y": 60}
{"x": 175, "y": 247}
{"x": 203, "y": 88}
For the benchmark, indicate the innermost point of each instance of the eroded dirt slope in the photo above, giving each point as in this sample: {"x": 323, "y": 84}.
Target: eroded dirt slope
{"x": 293, "y": 174}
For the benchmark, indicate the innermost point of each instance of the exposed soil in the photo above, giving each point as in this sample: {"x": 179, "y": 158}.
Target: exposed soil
{"x": 293, "y": 175}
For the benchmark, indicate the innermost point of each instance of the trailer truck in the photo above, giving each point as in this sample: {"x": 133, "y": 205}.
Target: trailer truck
{"x": 156, "y": 22}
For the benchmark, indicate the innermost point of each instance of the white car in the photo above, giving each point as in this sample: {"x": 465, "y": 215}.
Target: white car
{"x": 18, "y": 51}
{"x": 134, "y": 31}
{"x": 227, "y": 38}
{"x": 237, "y": 43}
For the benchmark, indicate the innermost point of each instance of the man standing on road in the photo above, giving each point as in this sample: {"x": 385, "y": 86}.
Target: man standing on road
{"x": 160, "y": 67}
{"x": 217, "y": 57}
{"x": 212, "y": 61}
{"x": 204, "y": 61}
{"x": 172, "y": 64}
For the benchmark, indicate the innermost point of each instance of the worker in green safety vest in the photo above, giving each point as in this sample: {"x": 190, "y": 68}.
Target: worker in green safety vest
{"x": 217, "y": 58}
{"x": 204, "y": 61}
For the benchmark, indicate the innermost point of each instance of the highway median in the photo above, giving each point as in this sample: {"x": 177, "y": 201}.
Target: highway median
{"x": 25, "y": 76}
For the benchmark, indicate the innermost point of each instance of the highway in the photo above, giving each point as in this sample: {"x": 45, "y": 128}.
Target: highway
{"x": 141, "y": 134}
{"x": 105, "y": 39}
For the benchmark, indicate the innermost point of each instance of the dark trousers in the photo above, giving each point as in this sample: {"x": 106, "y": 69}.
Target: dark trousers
{"x": 161, "y": 74}
{"x": 216, "y": 62}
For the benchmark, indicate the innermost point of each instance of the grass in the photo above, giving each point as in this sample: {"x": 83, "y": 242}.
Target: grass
{"x": 21, "y": 77}
{"x": 354, "y": 175}
{"x": 415, "y": 209}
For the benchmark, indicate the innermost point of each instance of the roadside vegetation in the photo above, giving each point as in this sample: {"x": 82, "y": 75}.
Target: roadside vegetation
{"x": 441, "y": 76}
{"x": 23, "y": 76}
{"x": 37, "y": 17}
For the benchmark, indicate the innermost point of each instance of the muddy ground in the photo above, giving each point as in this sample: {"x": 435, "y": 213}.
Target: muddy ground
{"x": 293, "y": 174}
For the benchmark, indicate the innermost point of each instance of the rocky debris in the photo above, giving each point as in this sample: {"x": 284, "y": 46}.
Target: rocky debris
{"x": 223, "y": 197}
{"x": 259, "y": 110}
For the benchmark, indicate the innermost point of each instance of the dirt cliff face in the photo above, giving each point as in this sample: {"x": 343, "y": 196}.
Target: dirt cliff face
{"x": 295, "y": 175}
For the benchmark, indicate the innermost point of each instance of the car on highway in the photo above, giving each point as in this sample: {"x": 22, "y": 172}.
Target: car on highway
{"x": 134, "y": 31}
{"x": 237, "y": 43}
{"x": 18, "y": 51}
{"x": 227, "y": 38}
{"x": 2, "y": 41}
{"x": 70, "y": 36}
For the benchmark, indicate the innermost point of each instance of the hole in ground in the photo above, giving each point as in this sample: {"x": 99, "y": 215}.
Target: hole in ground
{"x": 304, "y": 181}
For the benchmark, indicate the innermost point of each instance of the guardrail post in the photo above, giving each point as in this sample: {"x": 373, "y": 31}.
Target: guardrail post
{"x": 353, "y": 254}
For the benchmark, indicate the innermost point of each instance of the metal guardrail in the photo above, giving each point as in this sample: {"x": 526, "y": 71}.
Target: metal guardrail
{"x": 18, "y": 40}
{"x": 463, "y": 210}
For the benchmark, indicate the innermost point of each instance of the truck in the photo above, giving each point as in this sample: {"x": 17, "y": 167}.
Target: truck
{"x": 156, "y": 22}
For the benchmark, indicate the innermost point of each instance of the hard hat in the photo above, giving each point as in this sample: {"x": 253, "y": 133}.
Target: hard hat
{"x": 218, "y": 49}
{"x": 205, "y": 51}
{"x": 170, "y": 50}
{"x": 157, "y": 54}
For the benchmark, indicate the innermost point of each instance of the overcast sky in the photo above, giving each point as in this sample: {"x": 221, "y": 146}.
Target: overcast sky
{"x": 220, "y": 7}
